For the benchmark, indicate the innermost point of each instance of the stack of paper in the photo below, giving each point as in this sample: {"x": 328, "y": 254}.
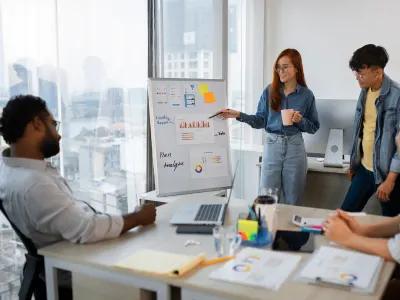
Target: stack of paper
{"x": 161, "y": 263}
{"x": 343, "y": 267}
{"x": 256, "y": 267}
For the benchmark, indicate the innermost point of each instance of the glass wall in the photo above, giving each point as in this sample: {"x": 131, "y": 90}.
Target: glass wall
{"x": 190, "y": 38}
{"x": 88, "y": 60}
{"x": 103, "y": 67}
{"x": 190, "y": 45}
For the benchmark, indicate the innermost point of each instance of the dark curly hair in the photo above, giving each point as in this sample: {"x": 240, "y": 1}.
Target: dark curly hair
{"x": 17, "y": 113}
{"x": 369, "y": 56}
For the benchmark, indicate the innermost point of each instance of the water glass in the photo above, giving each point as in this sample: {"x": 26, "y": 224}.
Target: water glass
{"x": 233, "y": 241}
{"x": 226, "y": 241}
{"x": 218, "y": 234}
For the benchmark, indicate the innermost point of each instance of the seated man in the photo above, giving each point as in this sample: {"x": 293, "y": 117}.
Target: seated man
{"x": 35, "y": 197}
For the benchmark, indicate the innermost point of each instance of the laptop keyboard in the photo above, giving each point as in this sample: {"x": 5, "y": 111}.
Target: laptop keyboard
{"x": 208, "y": 212}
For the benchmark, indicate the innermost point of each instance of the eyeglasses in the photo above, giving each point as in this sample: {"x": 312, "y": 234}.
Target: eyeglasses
{"x": 364, "y": 72}
{"x": 282, "y": 68}
{"x": 358, "y": 74}
{"x": 56, "y": 124}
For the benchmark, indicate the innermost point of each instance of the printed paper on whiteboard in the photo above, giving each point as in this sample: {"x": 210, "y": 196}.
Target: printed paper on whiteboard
{"x": 175, "y": 96}
{"x": 194, "y": 129}
{"x": 207, "y": 163}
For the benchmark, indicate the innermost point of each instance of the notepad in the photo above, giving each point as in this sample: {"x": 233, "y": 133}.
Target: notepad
{"x": 161, "y": 263}
{"x": 341, "y": 267}
{"x": 257, "y": 267}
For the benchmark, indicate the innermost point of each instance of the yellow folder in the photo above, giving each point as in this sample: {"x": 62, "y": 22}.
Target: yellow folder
{"x": 161, "y": 263}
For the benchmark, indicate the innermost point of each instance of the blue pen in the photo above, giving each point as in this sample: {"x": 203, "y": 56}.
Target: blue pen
{"x": 311, "y": 230}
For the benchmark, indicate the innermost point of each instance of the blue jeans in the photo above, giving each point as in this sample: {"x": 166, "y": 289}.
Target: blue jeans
{"x": 363, "y": 187}
{"x": 284, "y": 166}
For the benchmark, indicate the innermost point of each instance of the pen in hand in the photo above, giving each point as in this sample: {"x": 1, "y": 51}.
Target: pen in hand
{"x": 214, "y": 115}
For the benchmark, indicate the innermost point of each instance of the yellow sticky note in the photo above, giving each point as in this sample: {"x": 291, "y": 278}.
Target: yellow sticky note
{"x": 209, "y": 97}
{"x": 248, "y": 229}
{"x": 203, "y": 88}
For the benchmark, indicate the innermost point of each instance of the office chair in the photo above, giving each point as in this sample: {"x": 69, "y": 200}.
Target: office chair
{"x": 33, "y": 279}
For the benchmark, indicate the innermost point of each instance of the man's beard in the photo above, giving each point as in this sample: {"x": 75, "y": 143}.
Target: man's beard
{"x": 50, "y": 146}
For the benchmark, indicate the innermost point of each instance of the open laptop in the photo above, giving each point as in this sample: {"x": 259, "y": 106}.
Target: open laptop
{"x": 203, "y": 213}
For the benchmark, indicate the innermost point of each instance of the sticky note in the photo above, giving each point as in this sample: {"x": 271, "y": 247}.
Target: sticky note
{"x": 209, "y": 97}
{"x": 203, "y": 88}
{"x": 248, "y": 229}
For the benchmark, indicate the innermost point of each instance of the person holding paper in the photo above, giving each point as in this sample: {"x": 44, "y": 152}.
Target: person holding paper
{"x": 286, "y": 109}
{"x": 374, "y": 163}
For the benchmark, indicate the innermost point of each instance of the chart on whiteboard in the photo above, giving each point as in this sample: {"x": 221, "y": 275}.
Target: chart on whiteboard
{"x": 190, "y": 149}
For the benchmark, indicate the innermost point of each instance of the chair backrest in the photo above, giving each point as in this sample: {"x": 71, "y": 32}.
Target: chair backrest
{"x": 29, "y": 245}
{"x": 31, "y": 284}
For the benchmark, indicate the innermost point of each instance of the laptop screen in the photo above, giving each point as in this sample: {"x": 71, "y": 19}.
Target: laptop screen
{"x": 230, "y": 193}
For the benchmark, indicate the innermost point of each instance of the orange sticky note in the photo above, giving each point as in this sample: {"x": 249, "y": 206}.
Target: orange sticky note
{"x": 209, "y": 97}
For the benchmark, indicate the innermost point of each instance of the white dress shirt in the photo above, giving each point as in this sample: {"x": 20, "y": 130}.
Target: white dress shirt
{"x": 41, "y": 204}
{"x": 394, "y": 247}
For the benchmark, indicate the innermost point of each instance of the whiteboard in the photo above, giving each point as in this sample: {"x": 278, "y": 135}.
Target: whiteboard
{"x": 190, "y": 151}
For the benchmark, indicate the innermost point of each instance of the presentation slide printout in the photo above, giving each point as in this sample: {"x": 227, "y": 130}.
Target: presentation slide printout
{"x": 194, "y": 129}
{"x": 209, "y": 162}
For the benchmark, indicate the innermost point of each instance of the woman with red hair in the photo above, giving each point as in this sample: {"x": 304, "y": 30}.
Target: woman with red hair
{"x": 285, "y": 110}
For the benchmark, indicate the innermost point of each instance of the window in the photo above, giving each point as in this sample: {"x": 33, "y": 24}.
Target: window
{"x": 182, "y": 65}
{"x": 193, "y": 55}
{"x": 182, "y": 74}
{"x": 94, "y": 81}
{"x": 205, "y": 64}
{"x": 105, "y": 105}
{"x": 194, "y": 26}
{"x": 26, "y": 66}
{"x": 193, "y": 64}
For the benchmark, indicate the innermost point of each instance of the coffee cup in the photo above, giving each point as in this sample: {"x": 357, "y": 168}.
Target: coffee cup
{"x": 287, "y": 115}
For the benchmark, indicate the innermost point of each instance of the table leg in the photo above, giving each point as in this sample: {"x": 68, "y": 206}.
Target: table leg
{"x": 51, "y": 279}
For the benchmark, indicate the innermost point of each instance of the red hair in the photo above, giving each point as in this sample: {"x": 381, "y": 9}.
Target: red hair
{"x": 274, "y": 91}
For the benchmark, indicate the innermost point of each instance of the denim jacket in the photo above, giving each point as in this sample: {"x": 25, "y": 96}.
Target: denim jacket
{"x": 385, "y": 157}
{"x": 302, "y": 100}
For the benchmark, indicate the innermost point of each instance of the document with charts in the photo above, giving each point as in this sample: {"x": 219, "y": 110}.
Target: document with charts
{"x": 256, "y": 267}
{"x": 342, "y": 267}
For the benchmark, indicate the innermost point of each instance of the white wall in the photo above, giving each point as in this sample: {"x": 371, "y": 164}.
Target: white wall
{"x": 326, "y": 33}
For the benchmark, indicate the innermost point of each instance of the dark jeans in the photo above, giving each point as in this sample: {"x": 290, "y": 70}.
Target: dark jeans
{"x": 363, "y": 187}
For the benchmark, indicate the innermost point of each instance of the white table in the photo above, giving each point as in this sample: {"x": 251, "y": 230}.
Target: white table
{"x": 97, "y": 260}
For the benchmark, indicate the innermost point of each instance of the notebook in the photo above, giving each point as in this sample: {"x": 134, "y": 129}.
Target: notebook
{"x": 161, "y": 263}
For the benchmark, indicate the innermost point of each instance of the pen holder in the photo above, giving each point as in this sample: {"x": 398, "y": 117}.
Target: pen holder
{"x": 253, "y": 234}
